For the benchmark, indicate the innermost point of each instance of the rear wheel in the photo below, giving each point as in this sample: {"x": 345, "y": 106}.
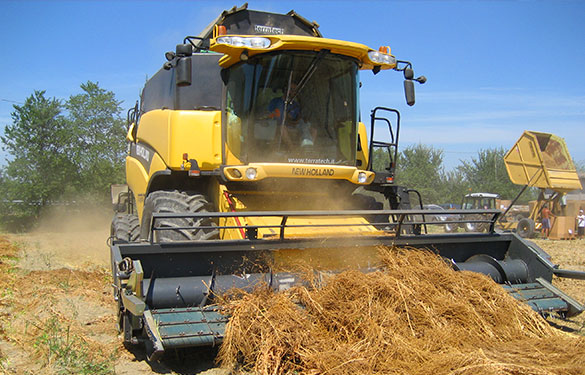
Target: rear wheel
{"x": 164, "y": 201}
{"x": 451, "y": 227}
{"x": 125, "y": 227}
{"x": 525, "y": 228}
{"x": 470, "y": 227}
{"x": 476, "y": 227}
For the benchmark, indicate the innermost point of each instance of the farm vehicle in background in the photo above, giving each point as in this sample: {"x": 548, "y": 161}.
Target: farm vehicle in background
{"x": 246, "y": 151}
{"x": 467, "y": 222}
{"x": 542, "y": 160}
{"x": 539, "y": 160}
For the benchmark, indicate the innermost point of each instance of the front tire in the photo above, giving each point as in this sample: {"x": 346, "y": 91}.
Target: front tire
{"x": 165, "y": 201}
{"x": 125, "y": 227}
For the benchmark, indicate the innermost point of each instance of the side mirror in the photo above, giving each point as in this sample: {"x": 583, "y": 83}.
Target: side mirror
{"x": 183, "y": 71}
{"x": 409, "y": 91}
{"x": 183, "y": 50}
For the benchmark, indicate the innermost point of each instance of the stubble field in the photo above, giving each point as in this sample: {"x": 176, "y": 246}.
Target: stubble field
{"x": 57, "y": 314}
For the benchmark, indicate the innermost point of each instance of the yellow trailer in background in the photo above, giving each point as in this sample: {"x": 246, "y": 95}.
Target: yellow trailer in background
{"x": 542, "y": 160}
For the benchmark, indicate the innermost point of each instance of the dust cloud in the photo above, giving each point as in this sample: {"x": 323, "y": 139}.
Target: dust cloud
{"x": 67, "y": 237}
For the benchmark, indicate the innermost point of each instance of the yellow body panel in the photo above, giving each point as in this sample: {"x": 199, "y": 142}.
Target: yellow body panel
{"x": 130, "y": 133}
{"x": 265, "y": 170}
{"x": 299, "y": 43}
{"x": 282, "y": 201}
{"x": 542, "y": 160}
{"x": 363, "y": 151}
{"x": 174, "y": 133}
{"x": 233, "y": 132}
{"x": 320, "y": 227}
{"x": 225, "y": 206}
{"x": 138, "y": 178}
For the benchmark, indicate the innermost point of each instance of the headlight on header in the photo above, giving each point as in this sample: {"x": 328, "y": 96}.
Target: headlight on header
{"x": 362, "y": 178}
{"x": 247, "y": 42}
{"x": 251, "y": 173}
{"x": 381, "y": 58}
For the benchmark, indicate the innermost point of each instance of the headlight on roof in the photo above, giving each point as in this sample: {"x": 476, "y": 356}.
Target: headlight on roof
{"x": 381, "y": 58}
{"x": 247, "y": 42}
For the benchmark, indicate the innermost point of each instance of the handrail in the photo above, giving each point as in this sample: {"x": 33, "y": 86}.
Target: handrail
{"x": 395, "y": 226}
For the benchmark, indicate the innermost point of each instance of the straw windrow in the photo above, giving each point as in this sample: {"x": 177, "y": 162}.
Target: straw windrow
{"x": 415, "y": 316}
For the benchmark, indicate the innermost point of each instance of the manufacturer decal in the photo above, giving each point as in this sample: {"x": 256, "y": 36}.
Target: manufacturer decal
{"x": 143, "y": 153}
{"x": 313, "y": 171}
{"x": 314, "y": 161}
{"x": 268, "y": 30}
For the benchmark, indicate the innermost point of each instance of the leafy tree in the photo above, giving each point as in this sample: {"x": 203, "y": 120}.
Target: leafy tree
{"x": 454, "y": 186}
{"x": 420, "y": 167}
{"x": 38, "y": 141}
{"x": 380, "y": 159}
{"x": 487, "y": 174}
{"x": 57, "y": 155}
{"x": 95, "y": 122}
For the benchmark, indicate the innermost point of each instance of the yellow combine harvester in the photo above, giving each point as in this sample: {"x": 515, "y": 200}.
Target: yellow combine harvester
{"x": 246, "y": 152}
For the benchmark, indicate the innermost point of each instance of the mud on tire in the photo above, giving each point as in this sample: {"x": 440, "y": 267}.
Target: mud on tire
{"x": 125, "y": 227}
{"x": 165, "y": 201}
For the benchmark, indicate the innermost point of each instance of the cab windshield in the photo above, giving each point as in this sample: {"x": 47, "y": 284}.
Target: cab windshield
{"x": 292, "y": 107}
{"x": 477, "y": 203}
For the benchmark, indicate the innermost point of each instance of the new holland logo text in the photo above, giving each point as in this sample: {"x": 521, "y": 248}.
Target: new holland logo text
{"x": 313, "y": 171}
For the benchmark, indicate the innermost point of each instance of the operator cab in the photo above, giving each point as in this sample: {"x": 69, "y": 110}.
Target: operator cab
{"x": 478, "y": 201}
{"x": 292, "y": 107}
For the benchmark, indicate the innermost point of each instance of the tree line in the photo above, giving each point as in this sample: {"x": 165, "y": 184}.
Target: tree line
{"x": 421, "y": 167}
{"x": 64, "y": 151}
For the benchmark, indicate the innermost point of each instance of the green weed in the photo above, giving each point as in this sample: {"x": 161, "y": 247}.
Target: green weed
{"x": 67, "y": 353}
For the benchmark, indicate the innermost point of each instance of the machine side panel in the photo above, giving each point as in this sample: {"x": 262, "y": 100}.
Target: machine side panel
{"x": 137, "y": 180}
{"x": 362, "y": 149}
{"x": 174, "y": 133}
{"x": 138, "y": 175}
{"x": 197, "y": 133}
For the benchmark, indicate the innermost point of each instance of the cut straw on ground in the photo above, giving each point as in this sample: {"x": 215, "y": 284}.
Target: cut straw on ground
{"x": 413, "y": 316}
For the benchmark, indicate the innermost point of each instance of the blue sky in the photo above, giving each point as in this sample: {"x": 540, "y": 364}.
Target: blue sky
{"x": 494, "y": 68}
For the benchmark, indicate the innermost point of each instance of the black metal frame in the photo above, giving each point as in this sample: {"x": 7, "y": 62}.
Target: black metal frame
{"x": 400, "y": 219}
{"x": 393, "y": 134}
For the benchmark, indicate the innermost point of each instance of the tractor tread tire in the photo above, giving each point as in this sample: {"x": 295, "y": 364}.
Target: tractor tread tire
{"x": 125, "y": 227}
{"x": 476, "y": 227}
{"x": 449, "y": 226}
{"x": 174, "y": 201}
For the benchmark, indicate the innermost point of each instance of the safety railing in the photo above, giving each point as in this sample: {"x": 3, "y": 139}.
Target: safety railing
{"x": 397, "y": 222}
